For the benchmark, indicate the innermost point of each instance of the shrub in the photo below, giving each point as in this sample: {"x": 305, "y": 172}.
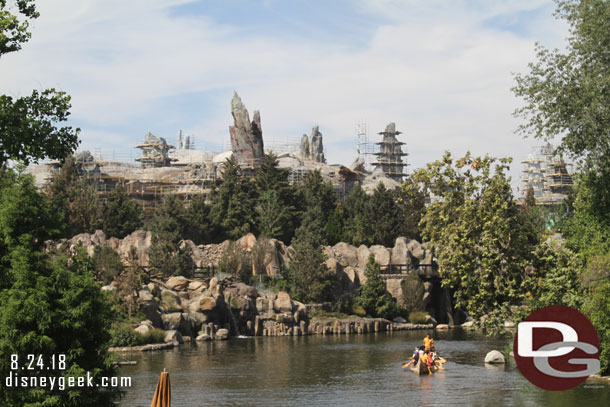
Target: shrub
{"x": 357, "y": 309}
{"x": 154, "y": 335}
{"x": 236, "y": 262}
{"x": 413, "y": 292}
{"x": 123, "y": 335}
{"x": 418, "y": 317}
{"x": 108, "y": 264}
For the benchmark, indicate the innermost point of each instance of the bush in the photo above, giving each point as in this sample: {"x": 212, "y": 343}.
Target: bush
{"x": 122, "y": 335}
{"x": 413, "y": 293}
{"x": 236, "y": 262}
{"x": 357, "y": 309}
{"x": 418, "y": 317}
{"x": 108, "y": 264}
{"x": 155, "y": 335}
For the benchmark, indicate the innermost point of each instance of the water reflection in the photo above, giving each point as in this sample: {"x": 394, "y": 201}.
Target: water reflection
{"x": 356, "y": 370}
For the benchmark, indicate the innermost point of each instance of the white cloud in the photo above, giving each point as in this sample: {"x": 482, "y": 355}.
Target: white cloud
{"x": 432, "y": 67}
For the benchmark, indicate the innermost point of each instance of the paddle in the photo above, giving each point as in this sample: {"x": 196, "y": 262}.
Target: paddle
{"x": 407, "y": 363}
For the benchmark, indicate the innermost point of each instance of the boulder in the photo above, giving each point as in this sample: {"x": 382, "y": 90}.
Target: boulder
{"x": 494, "y": 356}
{"x": 468, "y": 324}
{"x": 154, "y": 289}
{"x": 207, "y": 304}
{"x": 283, "y": 303}
{"x": 178, "y": 283}
{"x": 151, "y": 310}
{"x": 173, "y": 336}
{"x": 196, "y": 285}
{"x": 222, "y": 334}
{"x": 363, "y": 256}
{"x": 345, "y": 254}
{"x": 108, "y": 288}
{"x": 400, "y": 253}
{"x": 442, "y": 327}
{"x": 203, "y": 338}
{"x": 171, "y": 301}
{"x": 247, "y": 242}
{"x": 382, "y": 254}
{"x": 415, "y": 249}
{"x": 399, "y": 320}
{"x": 145, "y": 295}
{"x": 143, "y": 329}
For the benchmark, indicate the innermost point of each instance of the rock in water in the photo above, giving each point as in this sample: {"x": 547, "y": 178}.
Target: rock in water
{"x": 494, "y": 357}
{"x": 246, "y": 136}
{"x": 315, "y": 146}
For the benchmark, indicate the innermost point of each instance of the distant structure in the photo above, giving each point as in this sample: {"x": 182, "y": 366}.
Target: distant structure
{"x": 364, "y": 148}
{"x": 155, "y": 152}
{"x": 311, "y": 147}
{"x": 390, "y": 154}
{"x": 185, "y": 142}
{"x": 548, "y": 176}
{"x": 246, "y": 135}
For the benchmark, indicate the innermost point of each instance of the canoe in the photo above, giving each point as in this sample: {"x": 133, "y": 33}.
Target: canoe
{"x": 423, "y": 369}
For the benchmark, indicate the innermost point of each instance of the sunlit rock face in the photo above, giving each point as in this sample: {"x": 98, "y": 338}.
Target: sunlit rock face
{"x": 246, "y": 135}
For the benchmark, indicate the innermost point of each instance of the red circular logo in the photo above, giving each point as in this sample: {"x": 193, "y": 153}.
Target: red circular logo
{"x": 556, "y": 348}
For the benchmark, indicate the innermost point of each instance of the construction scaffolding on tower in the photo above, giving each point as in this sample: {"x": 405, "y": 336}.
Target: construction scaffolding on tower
{"x": 547, "y": 174}
{"x": 390, "y": 154}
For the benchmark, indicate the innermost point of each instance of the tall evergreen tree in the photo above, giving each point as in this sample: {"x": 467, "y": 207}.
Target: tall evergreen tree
{"x": 121, "y": 215}
{"x": 276, "y": 206}
{"x": 374, "y": 296}
{"x": 233, "y": 204}
{"x": 310, "y": 278}
{"x": 384, "y": 214}
{"x": 358, "y": 228}
{"x": 168, "y": 227}
{"x": 197, "y": 218}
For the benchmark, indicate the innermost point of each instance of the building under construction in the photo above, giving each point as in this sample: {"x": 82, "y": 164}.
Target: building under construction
{"x": 389, "y": 158}
{"x": 546, "y": 173}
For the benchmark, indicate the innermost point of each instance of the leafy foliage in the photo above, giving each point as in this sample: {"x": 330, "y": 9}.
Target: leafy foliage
{"x": 476, "y": 233}
{"x": 236, "y": 262}
{"x": 374, "y": 296}
{"x": 308, "y": 277}
{"x": 232, "y": 203}
{"x": 167, "y": 255}
{"x": 121, "y": 215}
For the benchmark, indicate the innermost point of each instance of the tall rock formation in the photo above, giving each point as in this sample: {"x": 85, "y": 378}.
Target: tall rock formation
{"x": 246, "y": 136}
{"x": 315, "y": 146}
{"x": 311, "y": 147}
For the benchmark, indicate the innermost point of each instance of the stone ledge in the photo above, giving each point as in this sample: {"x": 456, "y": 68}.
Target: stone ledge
{"x": 143, "y": 348}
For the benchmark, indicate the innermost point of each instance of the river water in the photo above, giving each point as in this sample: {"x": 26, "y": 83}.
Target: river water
{"x": 353, "y": 370}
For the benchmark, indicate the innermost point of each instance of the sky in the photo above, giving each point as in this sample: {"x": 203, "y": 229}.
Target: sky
{"x": 441, "y": 70}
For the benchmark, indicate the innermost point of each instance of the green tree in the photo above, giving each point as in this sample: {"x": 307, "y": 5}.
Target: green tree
{"x": 56, "y": 309}
{"x": 74, "y": 199}
{"x": 318, "y": 193}
{"x": 309, "y": 278}
{"x": 374, "y": 296}
{"x": 28, "y": 129}
{"x": 474, "y": 230}
{"x": 567, "y": 95}
{"x": 383, "y": 212}
{"x": 276, "y": 206}
{"x": 197, "y": 218}
{"x": 357, "y": 229}
{"x": 232, "y": 204}
{"x": 167, "y": 255}
{"x": 121, "y": 215}
{"x": 411, "y": 201}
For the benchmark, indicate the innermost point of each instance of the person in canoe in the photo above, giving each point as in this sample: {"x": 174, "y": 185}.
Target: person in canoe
{"x": 415, "y": 357}
{"x": 428, "y": 342}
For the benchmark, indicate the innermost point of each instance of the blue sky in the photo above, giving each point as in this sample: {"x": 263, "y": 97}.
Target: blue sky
{"x": 442, "y": 70}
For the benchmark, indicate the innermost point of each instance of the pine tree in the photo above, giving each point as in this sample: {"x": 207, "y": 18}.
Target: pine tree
{"x": 167, "y": 257}
{"x": 232, "y": 204}
{"x": 121, "y": 215}
{"x": 198, "y": 226}
{"x": 383, "y": 212}
{"x": 374, "y": 296}
{"x": 358, "y": 228}
{"x": 310, "y": 279}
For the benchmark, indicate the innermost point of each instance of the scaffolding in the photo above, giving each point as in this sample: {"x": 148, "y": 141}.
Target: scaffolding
{"x": 364, "y": 148}
{"x": 155, "y": 152}
{"x": 390, "y": 154}
{"x": 547, "y": 174}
